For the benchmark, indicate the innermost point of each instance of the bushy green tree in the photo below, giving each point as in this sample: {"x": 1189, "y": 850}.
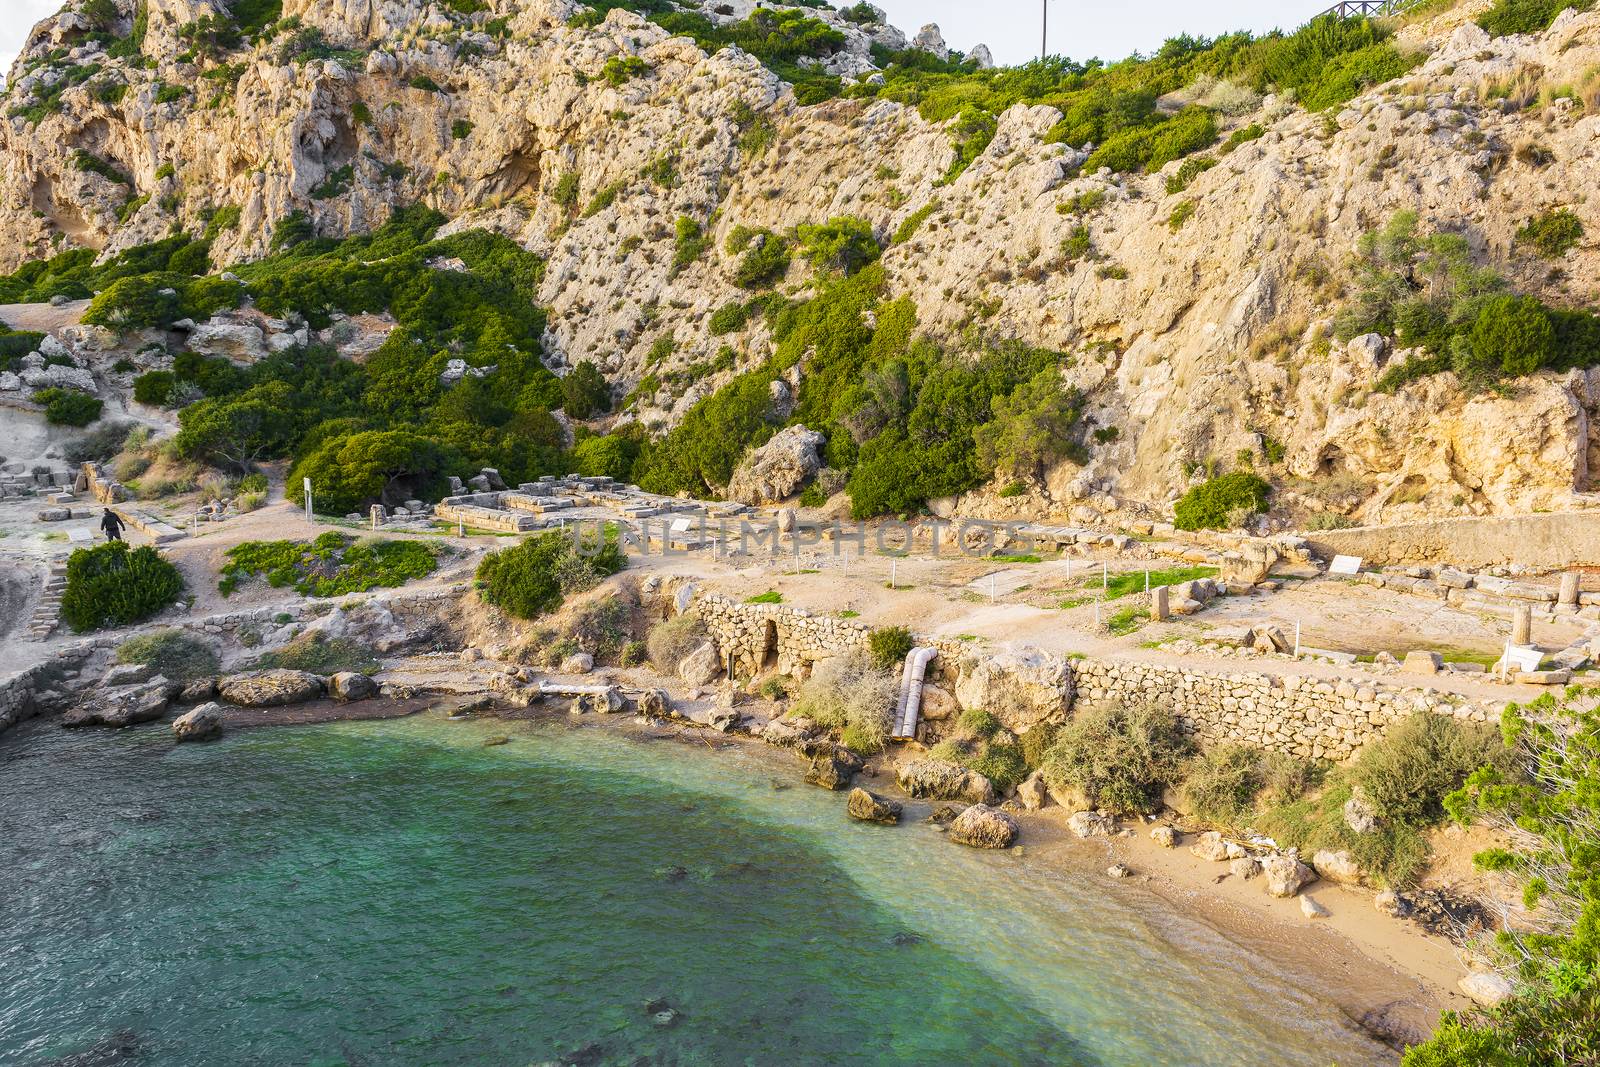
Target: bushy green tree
{"x": 584, "y": 391}
{"x": 845, "y": 243}
{"x": 610, "y": 456}
{"x": 1546, "y": 798}
{"x": 238, "y": 430}
{"x": 1032, "y": 427}
{"x": 1516, "y": 331}
{"x": 350, "y": 472}
{"x": 114, "y": 585}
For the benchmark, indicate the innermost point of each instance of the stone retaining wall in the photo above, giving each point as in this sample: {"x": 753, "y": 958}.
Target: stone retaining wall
{"x": 1544, "y": 542}
{"x": 776, "y": 635}
{"x": 29, "y": 692}
{"x": 1303, "y": 717}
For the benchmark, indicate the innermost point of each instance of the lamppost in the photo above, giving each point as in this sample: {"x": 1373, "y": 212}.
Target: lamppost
{"x": 1044, "y": 33}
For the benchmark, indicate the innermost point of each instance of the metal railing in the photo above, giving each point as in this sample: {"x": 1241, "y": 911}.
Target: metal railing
{"x": 1377, "y": 9}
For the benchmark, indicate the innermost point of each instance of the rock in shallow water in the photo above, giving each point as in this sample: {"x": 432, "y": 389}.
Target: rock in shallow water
{"x": 981, "y": 826}
{"x": 870, "y": 807}
{"x": 202, "y": 724}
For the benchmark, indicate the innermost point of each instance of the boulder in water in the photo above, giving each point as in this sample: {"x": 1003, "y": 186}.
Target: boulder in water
{"x": 204, "y": 723}
{"x": 981, "y": 826}
{"x": 870, "y": 807}
{"x": 931, "y": 779}
{"x": 124, "y": 707}
{"x": 830, "y": 772}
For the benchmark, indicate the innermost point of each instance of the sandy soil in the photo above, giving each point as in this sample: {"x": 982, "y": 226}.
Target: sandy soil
{"x": 43, "y": 318}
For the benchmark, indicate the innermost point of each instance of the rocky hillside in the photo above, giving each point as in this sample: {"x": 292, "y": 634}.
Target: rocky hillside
{"x": 1192, "y": 307}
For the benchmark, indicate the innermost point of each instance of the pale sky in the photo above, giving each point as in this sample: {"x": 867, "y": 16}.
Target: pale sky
{"x": 1009, "y": 27}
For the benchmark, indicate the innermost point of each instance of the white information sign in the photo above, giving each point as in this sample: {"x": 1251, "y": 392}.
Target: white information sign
{"x": 1345, "y": 565}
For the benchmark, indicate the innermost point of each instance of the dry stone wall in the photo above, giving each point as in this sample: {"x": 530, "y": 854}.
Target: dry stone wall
{"x": 1307, "y": 718}
{"x": 775, "y": 635}
{"x": 1540, "y": 541}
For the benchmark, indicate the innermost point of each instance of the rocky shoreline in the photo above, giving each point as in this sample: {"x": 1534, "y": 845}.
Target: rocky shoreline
{"x": 1395, "y": 999}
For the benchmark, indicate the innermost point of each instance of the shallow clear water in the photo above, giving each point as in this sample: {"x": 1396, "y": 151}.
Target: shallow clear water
{"x": 396, "y": 893}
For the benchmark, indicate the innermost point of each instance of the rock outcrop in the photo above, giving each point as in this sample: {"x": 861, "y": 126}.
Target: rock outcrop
{"x": 270, "y": 688}
{"x": 931, "y": 779}
{"x": 1198, "y": 342}
{"x": 778, "y": 469}
{"x": 870, "y": 807}
{"x": 203, "y": 723}
{"x": 981, "y": 826}
{"x": 1020, "y": 686}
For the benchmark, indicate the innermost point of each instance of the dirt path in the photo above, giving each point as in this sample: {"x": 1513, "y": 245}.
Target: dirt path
{"x": 43, "y": 318}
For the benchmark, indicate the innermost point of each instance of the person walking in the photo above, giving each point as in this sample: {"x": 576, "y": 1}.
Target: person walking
{"x": 111, "y": 523}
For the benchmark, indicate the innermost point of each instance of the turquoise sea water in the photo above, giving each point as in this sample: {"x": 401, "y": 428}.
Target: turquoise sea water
{"x": 397, "y": 893}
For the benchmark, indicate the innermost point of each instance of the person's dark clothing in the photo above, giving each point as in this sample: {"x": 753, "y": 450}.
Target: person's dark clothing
{"x": 111, "y": 523}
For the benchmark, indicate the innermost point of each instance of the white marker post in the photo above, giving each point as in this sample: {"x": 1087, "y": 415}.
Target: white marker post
{"x": 1147, "y": 581}
{"x": 1105, "y": 579}
{"x": 308, "y": 499}
{"x": 893, "y": 563}
{"x": 1297, "y": 639}
{"x": 1069, "y": 569}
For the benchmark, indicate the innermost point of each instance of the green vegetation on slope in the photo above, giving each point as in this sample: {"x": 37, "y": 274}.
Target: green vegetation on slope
{"x": 114, "y": 585}
{"x": 332, "y": 565}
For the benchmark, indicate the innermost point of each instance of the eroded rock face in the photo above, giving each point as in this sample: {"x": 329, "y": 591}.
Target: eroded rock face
{"x": 981, "y": 826}
{"x": 870, "y": 807}
{"x": 1021, "y": 686}
{"x": 265, "y": 689}
{"x": 1153, "y": 350}
{"x": 1337, "y": 866}
{"x": 778, "y": 469}
{"x": 203, "y": 723}
{"x": 702, "y": 666}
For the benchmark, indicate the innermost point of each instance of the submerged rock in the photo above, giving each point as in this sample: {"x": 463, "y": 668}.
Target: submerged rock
{"x": 349, "y": 686}
{"x": 1091, "y": 824}
{"x": 125, "y": 707}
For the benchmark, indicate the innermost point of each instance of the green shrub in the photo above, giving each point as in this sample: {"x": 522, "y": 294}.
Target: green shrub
{"x": 320, "y": 655}
{"x": 890, "y": 646}
{"x": 1516, "y": 331}
{"x": 460, "y": 130}
{"x": 764, "y": 263}
{"x": 114, "y": 585}
{"x": 979, "y": 723}
{"x": 425, "y": 83}
{"x": 1187, "y": 172}
{"x": 331, "y": 565}
{"x": 349, "y": 472}
{"x": 99, "y": 444}
{"x": 1224, "y": 785}
{"x": 1243, "y": 135}
{"x": 844, "y": 243}
{"x": 604, "y": 199}
{"x": 729, "y": 318}
{"x": 584, "y": 391}
{"x": 68, "y": 407}
{"x": 619, "y": 70}
{"x": 1036, "y": 743}
{"x": 172, "y": 653}
{"x": 1182, "y": 213}
{"x": 526, "y": 581}
{"x": 1149, "y": 148}
{"x": 848, "y": 693}
{"x": 688, "y": 243}
{"x": 972, "y": 132}
{"x": 771, "y": 596}
{"x": 1209, "y": 506}
{"x": 913, "y": 222}
{"x": 565, "y": 193}
{"x": 1526, "y": 16}
{"x": 1553, "y": 233}
{"x": 670, "y": 640}
{"x": 154, "y": 387}
{"x": 1121, "y": 758}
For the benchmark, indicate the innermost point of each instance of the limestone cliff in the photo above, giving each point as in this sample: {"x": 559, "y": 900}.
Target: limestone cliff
{"x": 1198, "y": 331}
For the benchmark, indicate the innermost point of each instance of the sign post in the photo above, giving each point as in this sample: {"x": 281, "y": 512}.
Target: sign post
{"x": 307, "y": 482}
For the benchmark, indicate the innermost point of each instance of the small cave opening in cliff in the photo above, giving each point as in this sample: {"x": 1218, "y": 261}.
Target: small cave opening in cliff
{"x": 1330, "y": 461}
{"x": 519, "y": 172}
